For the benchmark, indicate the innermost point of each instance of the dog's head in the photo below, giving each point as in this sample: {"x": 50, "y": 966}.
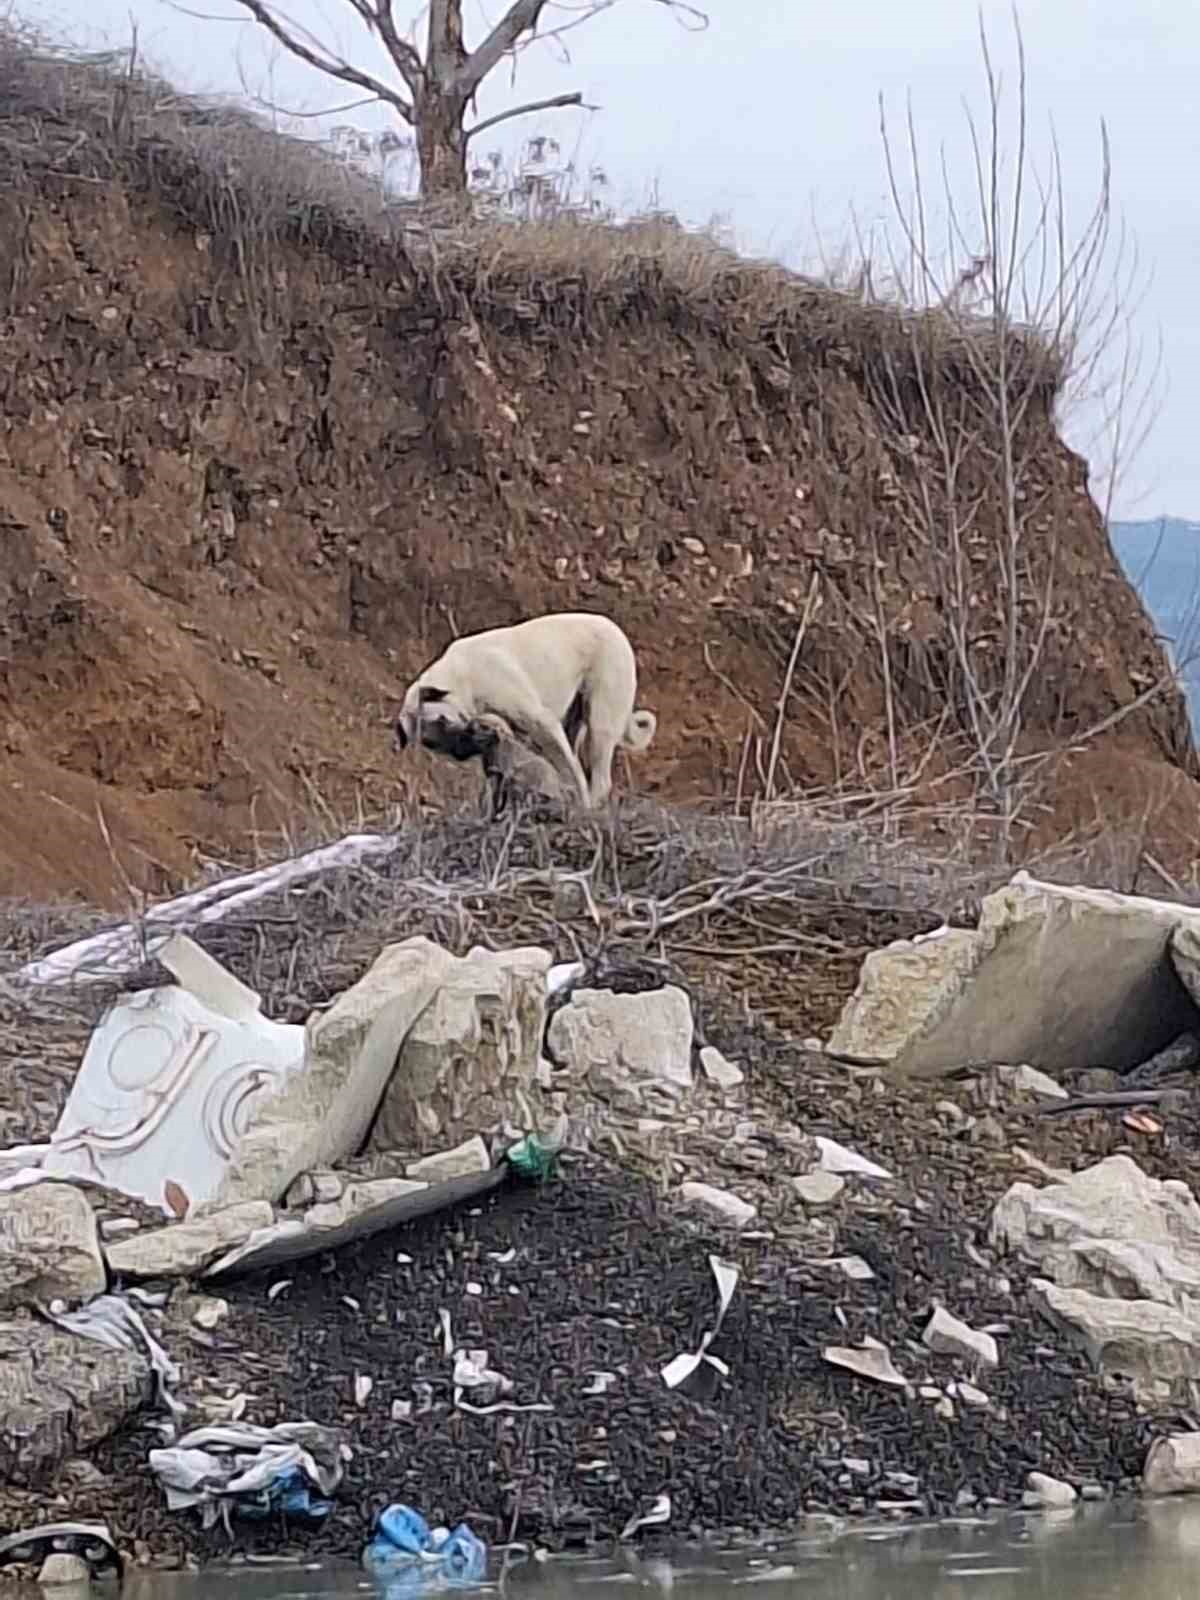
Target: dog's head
{"x": 430, "y": 718}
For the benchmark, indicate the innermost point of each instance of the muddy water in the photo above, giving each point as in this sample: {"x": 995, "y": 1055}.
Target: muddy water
{"x": 1143, "y": 1552}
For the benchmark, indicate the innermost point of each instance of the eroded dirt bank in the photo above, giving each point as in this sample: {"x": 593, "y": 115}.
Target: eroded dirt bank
{"x": 259, "y": 460}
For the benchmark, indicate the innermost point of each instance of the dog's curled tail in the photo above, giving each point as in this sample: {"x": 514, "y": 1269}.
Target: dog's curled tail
{"x": 640, "y": 730}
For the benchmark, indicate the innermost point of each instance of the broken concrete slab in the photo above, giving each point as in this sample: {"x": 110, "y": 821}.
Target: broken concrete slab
{"x": 647, "y": 1036}
{"x": 49, "y": 1246}
{"x": 362, "y": 1210}
{"x": 60, "y": 1395}
{"x": 469, "y": 1054}
{"x": 1154, "y": 1346}
{"x": 1109, "y": 1229}
{"x": 322, "y": 1114}
{"x": 1054, "y": 977}
{"x": 471, "y": 1156}
{"x": 169, "y": 1083}
{"x": 184, "y": 1248}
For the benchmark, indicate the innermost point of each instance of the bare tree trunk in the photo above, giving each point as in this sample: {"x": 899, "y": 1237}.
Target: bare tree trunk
{"x": 441, "y": 146}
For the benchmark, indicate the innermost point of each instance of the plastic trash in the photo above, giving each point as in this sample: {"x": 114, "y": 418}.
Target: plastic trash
{"x": 292, "y": 1470}
{"x": 534, "y": 1155}
{"x": 409, "y": 1557}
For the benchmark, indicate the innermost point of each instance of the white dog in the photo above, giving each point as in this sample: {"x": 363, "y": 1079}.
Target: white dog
{"x": 564, "y": 684}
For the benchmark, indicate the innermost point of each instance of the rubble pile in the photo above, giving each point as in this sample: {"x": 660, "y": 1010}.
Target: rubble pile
{"x": 488, "y": 1235}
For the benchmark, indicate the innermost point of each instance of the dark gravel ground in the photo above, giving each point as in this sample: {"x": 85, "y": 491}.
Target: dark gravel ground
{"x": 602, "y": 1276}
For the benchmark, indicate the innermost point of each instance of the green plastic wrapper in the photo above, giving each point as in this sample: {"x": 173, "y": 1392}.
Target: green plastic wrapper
{"x": 534, "y": 1156}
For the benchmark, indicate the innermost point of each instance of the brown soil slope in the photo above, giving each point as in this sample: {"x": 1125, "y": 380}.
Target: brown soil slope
{"x": 261, "y": 457}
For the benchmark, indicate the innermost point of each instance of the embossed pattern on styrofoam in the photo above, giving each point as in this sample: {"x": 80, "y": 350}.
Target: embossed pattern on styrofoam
{"x": 166, "y": 1089}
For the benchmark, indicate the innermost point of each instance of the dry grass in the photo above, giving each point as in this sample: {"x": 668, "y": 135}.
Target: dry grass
{"x": 657, "y": 883}
{"x": 67, "y": 119}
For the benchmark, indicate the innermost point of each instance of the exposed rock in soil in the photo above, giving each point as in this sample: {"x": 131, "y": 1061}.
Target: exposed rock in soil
{"x": 60, "y": 1395}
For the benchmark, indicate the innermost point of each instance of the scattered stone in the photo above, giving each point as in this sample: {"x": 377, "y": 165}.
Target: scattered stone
{"x": 209, "y": 1312}
{"x": 648, "y": 1035}
{"x": 1028, "y": 1080}
{"x": 819, "y": 1188}
{"x": 839, "y": 1158}
{"x": 946, "y": 1335}
{"x": 1173, "y": 1465}
{"x": 719, "y": 1203}
{"x": 472, "y": 1156}
{"x": 60, "y": 1567}
{"x": 930, "y": 1391}
{"x": 60, "y": 1395}
{"x": 869, "y": 1360}
{"x": 1048, "y": 1492}
{"x": 852, "y": 1267}
{"x": 945, "y": 1409}
{"x": 1092, "y": 1491}
{"x": 183, "y": 1248}
{"x": 49, "y": 1246}
{"x": 1089, "y": 964}
{"x": 313, "y": 1189}
{"x": 718, "y": 1070}
{"x": 971, "y": 1396}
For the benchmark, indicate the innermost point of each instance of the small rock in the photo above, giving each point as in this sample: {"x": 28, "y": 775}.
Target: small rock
{"x": 819, "y": 1188}
{"x": 840, "y": 1158}
{"x": 852, "y": 1267}
{"x": 860, "y": 1467}
{"x": 971, "y": 1396}
{"x": 1046, "y": 1491}
{"x": 930, "y": 1391}
{"x": 720, "y": 1203}
{"x": 209, "y": 1312}
{"x": 719, "y": 1071}
{"x": 946, "y": 1335}
{"x": 59, "y": 1568}
{"x": 464, "y": 1159}
{"x": 1092, "y": 1491}
{"x": 114, "y": 1227}
{"x": 401, "y": 1410}
{"x": 944, "y": 1409}
{"x": 363, "y": 1384}
{"x": 1029, "y": 1080}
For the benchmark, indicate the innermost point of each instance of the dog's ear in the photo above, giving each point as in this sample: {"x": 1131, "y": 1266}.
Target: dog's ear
{"x": 429, "y": 695}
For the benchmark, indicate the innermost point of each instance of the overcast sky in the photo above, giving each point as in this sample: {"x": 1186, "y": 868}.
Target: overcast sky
{"x": 773, "y": 124}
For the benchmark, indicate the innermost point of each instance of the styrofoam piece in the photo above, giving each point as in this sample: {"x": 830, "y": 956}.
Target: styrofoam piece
{"x": 104, "y": 956}
{"x": 168, "y": 1085}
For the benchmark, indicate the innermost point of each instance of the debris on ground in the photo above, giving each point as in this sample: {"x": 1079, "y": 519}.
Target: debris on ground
{"x": 237, "y": 1469}
{"x": 508, "y": 1315}
{"x": 403, "y": 1546}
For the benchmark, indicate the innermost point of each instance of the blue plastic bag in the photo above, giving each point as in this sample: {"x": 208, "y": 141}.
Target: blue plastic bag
{"x": 411, "y": 1558}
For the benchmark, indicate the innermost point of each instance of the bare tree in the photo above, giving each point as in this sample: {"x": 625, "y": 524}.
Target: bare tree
{"x": 1019, "y": 315}
{"x": 434, "y": 92}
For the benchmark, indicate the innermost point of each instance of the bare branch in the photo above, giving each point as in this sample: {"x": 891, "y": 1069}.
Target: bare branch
{"x": 405, "y": 55}
{"x": 520, "y": 18}
{"x": 331, "y": 65}
{"x": 553, "y": 104}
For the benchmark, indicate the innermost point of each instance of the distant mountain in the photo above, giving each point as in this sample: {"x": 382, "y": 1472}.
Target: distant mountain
{"x": 1161, "y": 558}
